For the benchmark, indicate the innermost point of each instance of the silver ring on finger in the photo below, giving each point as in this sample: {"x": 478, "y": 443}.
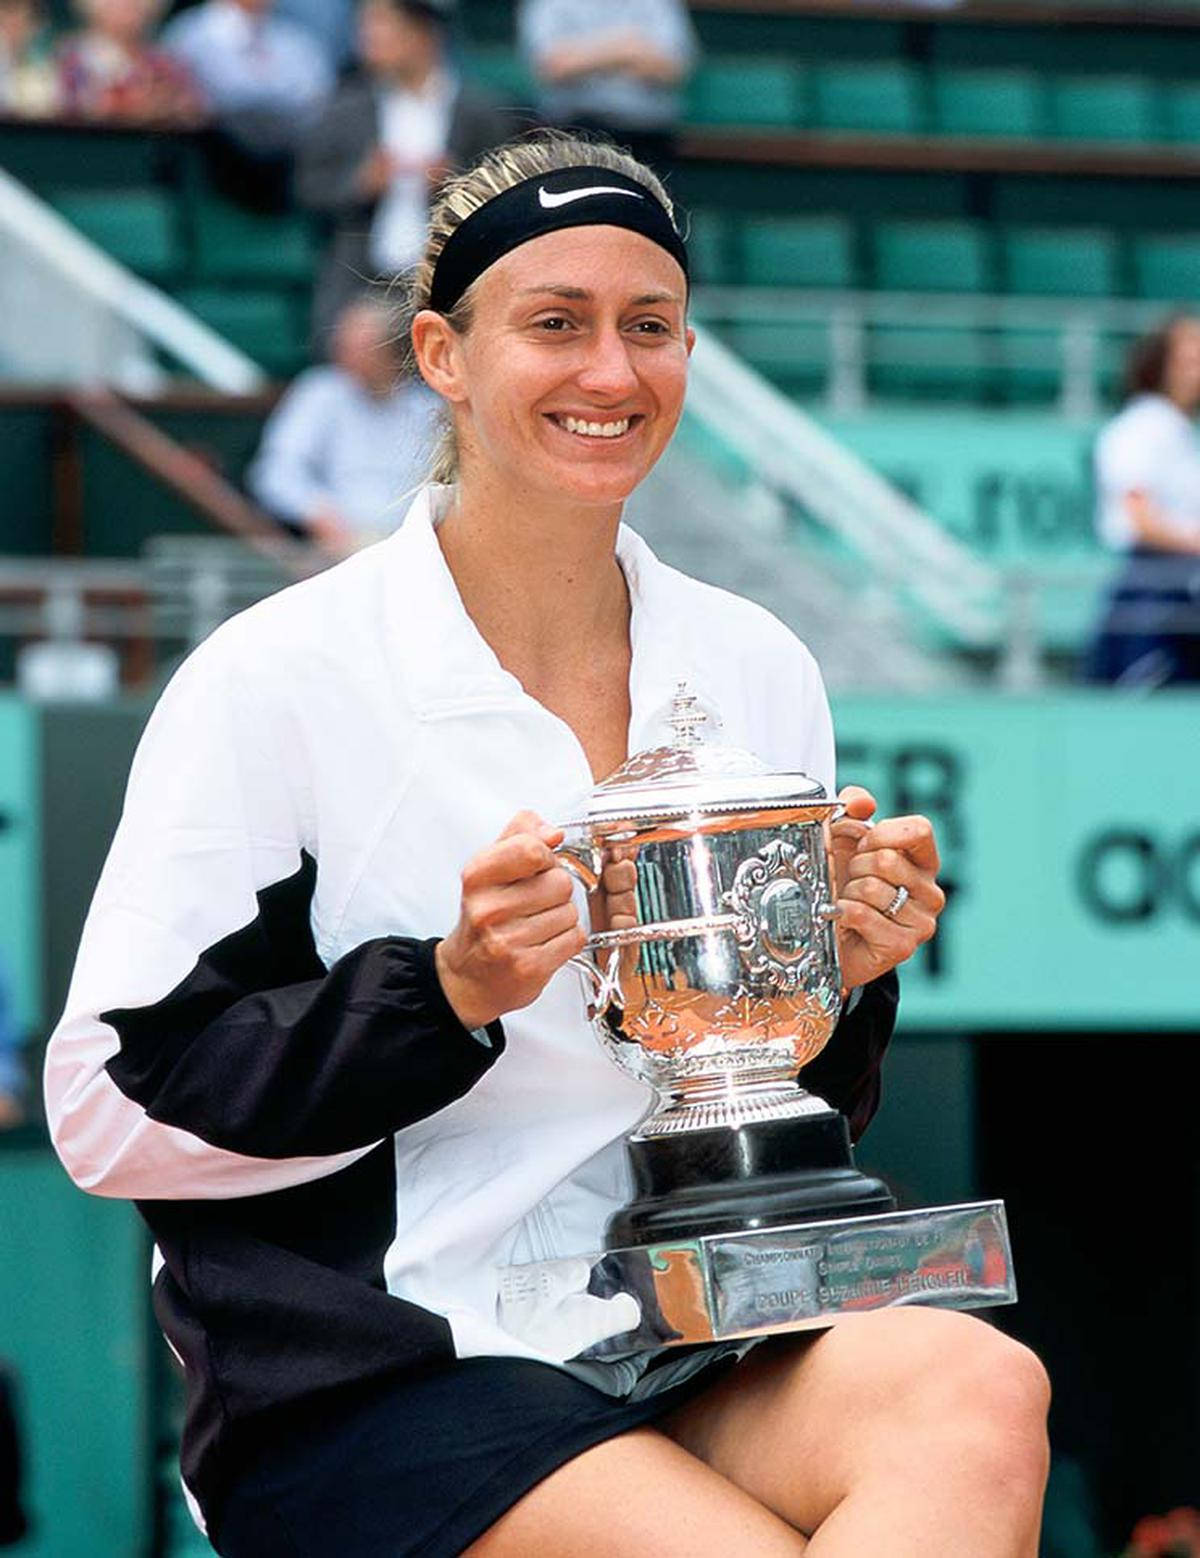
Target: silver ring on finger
{"x": 897, "y": 903}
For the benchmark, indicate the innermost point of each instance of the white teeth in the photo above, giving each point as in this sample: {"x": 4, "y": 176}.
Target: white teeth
{"x": 596, "y": 429}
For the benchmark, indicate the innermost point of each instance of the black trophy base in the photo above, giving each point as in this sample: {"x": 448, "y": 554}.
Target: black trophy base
{"x": 735, "y": 1179}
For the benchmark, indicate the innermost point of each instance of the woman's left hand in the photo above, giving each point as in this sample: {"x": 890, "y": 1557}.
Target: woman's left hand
{"x": 887, "y": 866}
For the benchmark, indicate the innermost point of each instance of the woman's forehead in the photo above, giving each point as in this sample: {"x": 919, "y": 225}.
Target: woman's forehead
{"x": 608, "y": 262}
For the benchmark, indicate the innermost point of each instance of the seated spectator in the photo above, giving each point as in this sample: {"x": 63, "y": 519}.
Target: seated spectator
{"x": 388, "y": 138}
{"x": 13, "y": 1079}
{"x": 349, "y": 439}
{"x": 110, "y": 71}
{"x": 616, "y": 67}
{"x": 265, "y": 80}
{"x": 1148, "y": 508}
{"x": 28, "y": 78}
{"x": 331, "y": 23}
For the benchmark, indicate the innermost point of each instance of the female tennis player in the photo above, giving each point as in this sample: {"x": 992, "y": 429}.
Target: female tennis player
{"x": 321, "y": 1030}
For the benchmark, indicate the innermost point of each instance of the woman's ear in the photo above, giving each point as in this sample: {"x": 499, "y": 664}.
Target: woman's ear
{"x": 436, "y": 348}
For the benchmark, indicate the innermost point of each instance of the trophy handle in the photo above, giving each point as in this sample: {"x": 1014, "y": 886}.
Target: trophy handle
{"x": 605, "y": 983}
{"x": 582, "y": 860}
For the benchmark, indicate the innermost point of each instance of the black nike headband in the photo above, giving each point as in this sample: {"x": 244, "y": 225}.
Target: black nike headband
{"x": 546, "y": 203}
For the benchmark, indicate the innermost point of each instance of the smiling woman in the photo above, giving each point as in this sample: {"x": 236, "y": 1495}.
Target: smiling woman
{"x": 323, "y": 1029}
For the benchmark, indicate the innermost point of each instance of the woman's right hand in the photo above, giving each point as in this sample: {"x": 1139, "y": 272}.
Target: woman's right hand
{"x": 518, "y": 924}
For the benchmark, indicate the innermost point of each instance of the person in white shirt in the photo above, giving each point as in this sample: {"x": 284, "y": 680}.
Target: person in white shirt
{"x": 1147, "y": 469}
{"x": 323, "y": 1027}
{"x": 350, "y": 440}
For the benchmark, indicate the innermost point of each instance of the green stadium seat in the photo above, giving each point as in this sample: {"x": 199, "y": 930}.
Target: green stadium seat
{"x": 709, "y": 245}
{"x": 1167, "y": 266}
{"x": 135, "y": 226}
{"x": 987, "y": 102}
{"x": 750, "y": 91}
{"x": 929, "y": 362}
{"x": 800, "y": 251}
{"x": 265, "y": 325}
{"x": 236, "y": 245}
{"x": 877, "y": 97}
{"x": 1103, "y": 108}
{"x": 1179, "y": 102}
{"x": 504, "y": 71}
{"x": 932, "y": 257}
{"x": 793, "y": 355}
{"x": 1059, "y": 262}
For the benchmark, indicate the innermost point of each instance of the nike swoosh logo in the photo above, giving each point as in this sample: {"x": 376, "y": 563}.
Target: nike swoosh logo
{"x": 550, "y": 201}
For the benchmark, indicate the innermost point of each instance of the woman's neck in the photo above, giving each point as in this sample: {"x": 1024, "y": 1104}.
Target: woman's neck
{"x": 541, "y": 582}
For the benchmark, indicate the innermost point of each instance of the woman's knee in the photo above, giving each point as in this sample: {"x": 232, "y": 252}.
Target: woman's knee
{"x": 985, "y": 1396}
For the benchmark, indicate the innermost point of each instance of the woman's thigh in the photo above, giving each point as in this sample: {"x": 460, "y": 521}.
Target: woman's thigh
{"x": 637, "y": 1493}
{"x": 805, "y": 1420}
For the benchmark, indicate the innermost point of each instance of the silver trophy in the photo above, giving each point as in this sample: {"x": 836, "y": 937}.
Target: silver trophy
{"x": 749, "y": 1214}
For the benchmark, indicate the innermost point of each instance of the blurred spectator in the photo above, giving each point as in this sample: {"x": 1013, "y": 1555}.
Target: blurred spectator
{"x": 387, "y": 138}
{"x": 331, "y": 23}
{"x": 1148, "y": 489}
{"x": 617, "y": 67}
{"x": 349, "y": 439}
{"x": 110, "y": 71}
{"x": 28, "y": 78}
{"x": 13, "y": 1080}
{"x": 265, "y": 79}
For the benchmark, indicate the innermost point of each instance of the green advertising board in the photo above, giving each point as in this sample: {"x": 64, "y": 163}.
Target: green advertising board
{"x": 20, "y": 862}
{"x": 1012, "y": 485}
{"x": 1069, "y": 828}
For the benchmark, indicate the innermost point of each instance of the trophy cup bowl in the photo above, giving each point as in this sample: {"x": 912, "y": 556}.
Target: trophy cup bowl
{"x": 727, "y": 985}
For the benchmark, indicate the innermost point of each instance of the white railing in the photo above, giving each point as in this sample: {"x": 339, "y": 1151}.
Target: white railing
{"x": 844, "y": 342}
{"x": 899, "y": 547}
{"x": 71, "y": 315}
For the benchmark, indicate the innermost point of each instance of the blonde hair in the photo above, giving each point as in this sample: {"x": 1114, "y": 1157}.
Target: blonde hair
{"x": 545, "y": 151}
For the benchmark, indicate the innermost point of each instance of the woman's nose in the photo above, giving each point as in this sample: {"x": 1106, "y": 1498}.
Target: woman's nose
{"x": 608, "y": 368}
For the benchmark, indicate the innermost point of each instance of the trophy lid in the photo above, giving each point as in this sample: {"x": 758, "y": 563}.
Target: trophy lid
{"x": 693, "y": 776}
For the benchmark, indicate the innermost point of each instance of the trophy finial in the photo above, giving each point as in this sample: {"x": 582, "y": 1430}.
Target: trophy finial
{"x": 685, "y": 718}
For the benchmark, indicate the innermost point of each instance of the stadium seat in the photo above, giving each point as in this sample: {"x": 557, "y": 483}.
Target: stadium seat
{"x": 877, "y": 97}
{"x": 709, "y": 244}
{"x": 1179, "y": 102}
{"x": 236, "y": 245}
{"x": 504, "y": 71}
{"x": 928, "y": 362}
{"x": 748, "y": 91}
{"x": 264, "y": 325}
{"x": 987, "y": 102}
{"x": 1102, "y": 108}
{"x": 135, "y": 226}
{"x": 1059, "y": 262}
{"x": 1167, "y": 266}
{"x": 932, "y": 257}
{"x": 801, "y": 251}
{"x": 793, "y": 355}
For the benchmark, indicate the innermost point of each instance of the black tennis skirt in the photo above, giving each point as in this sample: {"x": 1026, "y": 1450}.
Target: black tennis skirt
{"x": 422, "y": 1466}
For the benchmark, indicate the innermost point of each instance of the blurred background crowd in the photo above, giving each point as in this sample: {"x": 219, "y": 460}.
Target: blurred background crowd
{"x": 946, "y": 265}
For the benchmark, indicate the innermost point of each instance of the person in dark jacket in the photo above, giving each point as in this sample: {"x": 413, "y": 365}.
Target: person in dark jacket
{"x": 384, "y": 143}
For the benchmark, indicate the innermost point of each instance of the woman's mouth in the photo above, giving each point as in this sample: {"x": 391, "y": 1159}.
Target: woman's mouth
{"x": 583, "y": 428}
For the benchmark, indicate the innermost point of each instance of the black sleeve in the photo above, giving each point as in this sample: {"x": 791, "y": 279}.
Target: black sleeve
{"x": 261, "y": 1051}
{"x": 846, "y": 1072}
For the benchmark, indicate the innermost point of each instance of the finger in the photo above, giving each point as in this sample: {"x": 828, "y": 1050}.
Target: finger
{"x": 879, "y": 895}
{"x": 530, "y": 822}
{"x": 513, "y": 859}
{"x": 859, "y": 803}
{"x": 507, "y": 901}
{"x": 893, "y": 870}
{"x": 536, "y": 930}
{"x": 912, "y": 835}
